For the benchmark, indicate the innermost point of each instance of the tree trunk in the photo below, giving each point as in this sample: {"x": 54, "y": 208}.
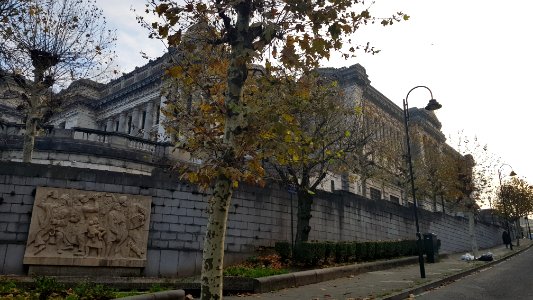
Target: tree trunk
{"x": 235, "y": 124}
{"x": 518, "y": 231}
{"x": 29, "y": 138}
{"x": 304, "y": 215}
{"x": 32, "y": 115}
{"x": 472, "y": 233}
{"x": 213, "y": 252}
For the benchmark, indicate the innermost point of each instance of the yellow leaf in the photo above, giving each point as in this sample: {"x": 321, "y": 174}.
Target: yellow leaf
{"x": 235, "y": 184}
{"x": 288, "y": 117}
{"x": 176, "y": 71}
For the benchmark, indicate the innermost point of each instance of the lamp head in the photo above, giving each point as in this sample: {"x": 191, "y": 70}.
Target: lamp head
{"x": 433, "y": 105}
{"x": 512, "y": 173}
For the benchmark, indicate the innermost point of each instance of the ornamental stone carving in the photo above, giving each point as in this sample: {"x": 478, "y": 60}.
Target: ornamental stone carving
{"x": 87, "y": 228}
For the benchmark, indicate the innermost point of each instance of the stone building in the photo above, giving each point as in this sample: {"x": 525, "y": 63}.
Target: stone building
{"x": 102, "y": 165}
{"x": 129, "y": 108}
{"x": 129, "y": 105}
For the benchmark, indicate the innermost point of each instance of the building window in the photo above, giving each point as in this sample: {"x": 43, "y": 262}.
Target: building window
{"x": 158, "y": 115}
{"x": 332, "y": 185}
{"x": 375, "y": 194}
{"x": 62, "y": 125}
{"x": 116, "y": 126}
{"x": 143, "y": 119}
{"x": 394, "y": 199}
{"x": 129, "y": 124}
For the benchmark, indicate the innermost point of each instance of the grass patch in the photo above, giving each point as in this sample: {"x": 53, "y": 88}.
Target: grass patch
{"x": 253, "y": 272}
{"x": 258, "y": 266}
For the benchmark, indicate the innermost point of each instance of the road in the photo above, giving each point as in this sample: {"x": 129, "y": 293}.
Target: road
{"x": 510, "y": 279}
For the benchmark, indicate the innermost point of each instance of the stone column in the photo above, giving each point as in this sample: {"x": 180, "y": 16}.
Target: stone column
{"x": 161, "y": 132}
{"x": 148, "y": 122}
{"x": 122, "y": 122}
{"x": 135, "y": 121}
{"x": 109, "y": 125}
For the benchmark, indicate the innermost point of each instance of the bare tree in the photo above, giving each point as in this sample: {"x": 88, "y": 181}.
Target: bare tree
{"x": 47, "y": 43}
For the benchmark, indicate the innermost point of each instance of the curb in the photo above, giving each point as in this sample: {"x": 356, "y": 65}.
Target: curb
{"x": 170, "y": 295}
{"x": 431, "y": 285}
{"x": 277, "y": 282}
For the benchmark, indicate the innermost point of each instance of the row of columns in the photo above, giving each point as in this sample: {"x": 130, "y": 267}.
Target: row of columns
{"x": 136, "y": 115}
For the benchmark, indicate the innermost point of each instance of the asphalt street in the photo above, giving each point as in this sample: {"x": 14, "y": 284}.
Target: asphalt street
{"x": 509, "y": 279}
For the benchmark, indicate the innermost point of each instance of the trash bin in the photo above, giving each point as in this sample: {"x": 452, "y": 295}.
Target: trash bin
{"x": 431, "y": 247}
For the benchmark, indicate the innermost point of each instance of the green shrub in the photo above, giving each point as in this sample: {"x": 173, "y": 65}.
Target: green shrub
{"x": 46, "y": 286}
{"x": 351, "y": 252}
{"x": 341, "y": 252}
{"x": 7, "y": 286}
{"x": 309, "y": 254}
{"x": 283, "y": 249}
{"x": 379, "y": 250}
{"x": 329, "y": 252}
{"x": 91, "y": 291}
{"x": 252, "y": 272}
{"x": 371, "y": 250}
{"x": 362, "y": 253}
{"x": 154, "y": 288}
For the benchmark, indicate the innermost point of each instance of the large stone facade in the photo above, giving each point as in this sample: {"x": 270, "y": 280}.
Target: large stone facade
{"x": 129, "y": 107}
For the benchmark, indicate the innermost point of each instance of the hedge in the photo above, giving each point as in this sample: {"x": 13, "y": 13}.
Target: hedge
{"x": 318, "y": 253}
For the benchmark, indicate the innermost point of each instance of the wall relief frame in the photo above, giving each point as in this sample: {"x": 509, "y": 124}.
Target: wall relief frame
{"x": 72, "y": 227}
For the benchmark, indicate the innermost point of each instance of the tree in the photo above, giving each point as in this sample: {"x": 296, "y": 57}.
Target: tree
{"x": 47, "y": 43}
{"x": 315, "y": 129}
{"x": 9, "y": 8}
{"x": 294, "y": 35}
{"x": 471, "y": 183}
{"x": 515, "y": 199}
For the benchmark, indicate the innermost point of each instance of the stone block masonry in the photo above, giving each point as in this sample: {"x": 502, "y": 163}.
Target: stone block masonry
{"x": 257, "y": 217}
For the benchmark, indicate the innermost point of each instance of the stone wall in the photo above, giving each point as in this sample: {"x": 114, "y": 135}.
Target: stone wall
{"x": 258, "y": 217}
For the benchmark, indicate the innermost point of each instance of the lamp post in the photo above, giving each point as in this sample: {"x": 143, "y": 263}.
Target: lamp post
{"x": 504, "y": 202}
{"x": 432, "y": 105}
{"x": 528, "y": 228}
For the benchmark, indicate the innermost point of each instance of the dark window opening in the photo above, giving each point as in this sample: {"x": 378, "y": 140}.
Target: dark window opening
{"x": 394, "y": 199}
{"x": 375, "y": 194}
{"x": 143, "y": 119}
{"x": 129, "y": 124}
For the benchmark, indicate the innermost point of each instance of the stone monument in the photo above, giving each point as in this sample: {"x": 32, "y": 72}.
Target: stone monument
{"x": 87, "y": 229}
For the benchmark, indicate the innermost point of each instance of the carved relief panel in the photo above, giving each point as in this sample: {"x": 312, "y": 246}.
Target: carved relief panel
{"x": 87, "y": 228}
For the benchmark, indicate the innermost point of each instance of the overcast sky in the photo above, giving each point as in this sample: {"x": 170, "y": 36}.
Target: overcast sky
{"x": 475, "y": 55}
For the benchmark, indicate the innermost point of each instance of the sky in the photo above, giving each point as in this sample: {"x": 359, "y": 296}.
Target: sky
{"x": 475, "y": 56}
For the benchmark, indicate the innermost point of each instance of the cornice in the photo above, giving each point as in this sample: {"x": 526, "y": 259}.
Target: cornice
{"x": 383, "y": 102}
{"x": 127, "y": 104}
{"x": 149, "y": 83}
{"x": 347, "y": 75}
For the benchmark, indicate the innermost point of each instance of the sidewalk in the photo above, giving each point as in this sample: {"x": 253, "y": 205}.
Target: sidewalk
{"x": 394, "y": 283}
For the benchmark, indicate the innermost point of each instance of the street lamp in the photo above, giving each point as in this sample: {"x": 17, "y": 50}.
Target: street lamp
{"x": 528, "y": 228}
{"x": 504, "y": 202}
{"x": 432, "y": 105}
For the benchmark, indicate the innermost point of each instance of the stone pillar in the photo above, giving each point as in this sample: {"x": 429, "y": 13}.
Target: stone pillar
{"x": 148, "y": 123}
{"x": 161, "y": 132}
{"x": 109, "y": 125}
{"x": 122, "y": 122}
{"x": 135, "y": 121}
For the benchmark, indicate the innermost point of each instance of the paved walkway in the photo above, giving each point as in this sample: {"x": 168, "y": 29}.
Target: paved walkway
{"x": 382, "y": 284}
